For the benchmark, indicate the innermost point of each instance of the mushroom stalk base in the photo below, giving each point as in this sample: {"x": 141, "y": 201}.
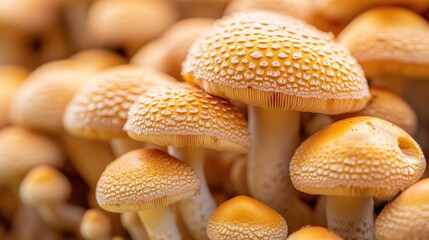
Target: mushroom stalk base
{"x": 196, "y": 210}
{"x": 160, "y": 223}
{"x": 351, "y": 217}
{"x": 274, "y": 138}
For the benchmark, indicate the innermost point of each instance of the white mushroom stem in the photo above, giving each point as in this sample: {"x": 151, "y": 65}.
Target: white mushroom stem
{"x": 131, "y": 222}
{"x": 196, "y": 210}
{"x": 351, "y": 217}
{"x": 160, "y": 223}
{"x": 61, "y": 216}
{"x": 121, "y": 146}
{"x": 274, "y": 138}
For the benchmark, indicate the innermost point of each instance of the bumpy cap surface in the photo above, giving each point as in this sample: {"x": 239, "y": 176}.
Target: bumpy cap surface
{"x": 144, "y": 179}
{"x": 313, "y": 233}
{"x": 186, "y": 116}
{"x": 389, "y": 42}
{"x": 407, "y": 216}
{"x": 100, "y": 108}
{"x": 243, "y": 217}
{"x": 273, "y": 61}
{"x": 361, "y": 157}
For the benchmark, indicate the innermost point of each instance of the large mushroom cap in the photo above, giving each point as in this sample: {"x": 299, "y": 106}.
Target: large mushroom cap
{"x": 361, "y": 157}
{"x": 100, "y": 108}
{"x": 144, "y": 179}
{"x": 268, "y": 60}
{"x": 186, "y": 116}
{"x": 243, "y": 217}
{"x": 389, "y": 42}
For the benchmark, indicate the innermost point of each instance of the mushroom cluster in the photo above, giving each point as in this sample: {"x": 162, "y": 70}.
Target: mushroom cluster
{"x": 214, "y": 119}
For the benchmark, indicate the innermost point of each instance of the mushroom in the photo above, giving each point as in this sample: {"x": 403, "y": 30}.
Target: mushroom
{"x": 279, "y": 66}
{"x": 95, "y": 225}
{"x": 243, "y": 217}
{"x": 46, "y": 189}
{"x": 99, "y": 58}
{"x": 131, "y": 222}
{"x": 352, "y": 161}
{"x": 188, "y": 120}
{"x": 406, "y": 217}
{"x": 238, "y": 177}
{"x": 313, "y": 233}
{"x": 147, "y": 181}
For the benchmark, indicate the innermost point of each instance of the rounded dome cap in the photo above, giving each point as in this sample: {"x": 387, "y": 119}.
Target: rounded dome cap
{"x": 272, "y": 61}
{"x": 313, "y": 233}
{"x": 144, "y": 179}
{"x": 360, "y": 157}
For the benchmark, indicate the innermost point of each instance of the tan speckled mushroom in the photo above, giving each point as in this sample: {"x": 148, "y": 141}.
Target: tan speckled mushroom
{"x": 313, "y": 233}
{"x": 188, "y": 120}
{"x": 147, "y": 181}
{"x": 95, "y": 225}
{"x": 387, "y": 105}
{"x": 100, "y": 109}
{"x": 242, "y": 218}
{"x": 407, "y": 216}
{"x": 279, "y": 66}
{"x": 352, "y": 161}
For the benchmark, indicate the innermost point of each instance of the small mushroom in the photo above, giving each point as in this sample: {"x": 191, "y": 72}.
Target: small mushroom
{"x": 313, "y": 233}
{"x": 95, "y": 225}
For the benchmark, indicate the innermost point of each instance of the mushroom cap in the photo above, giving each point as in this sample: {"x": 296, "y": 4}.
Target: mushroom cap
{"x": 273, "y": 61}
{"x": 44, "y": 185}
{"x": 95, "y": 224}
{"x": 389, "y": 42}
{"x": 313, "y": 233}
{"x": 186, "y": 116}
{"x": 243, "y": 217}
{"x": 100, "y": 108}
{"x": 387, "y": 105}
{"x": 41, "y": 100}
{"x": 22, "y": 149}
{"x": 145, "y": 179}
{"x": 99, "y": 58}
{"x": 406, "y": 217}
{"x": 11, "y": 77}
{"x": 359, "y": 157}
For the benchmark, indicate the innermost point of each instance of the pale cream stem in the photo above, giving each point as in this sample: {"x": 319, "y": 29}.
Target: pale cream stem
{"x": 160, "y": 223}
{"x": 121, "y": 146}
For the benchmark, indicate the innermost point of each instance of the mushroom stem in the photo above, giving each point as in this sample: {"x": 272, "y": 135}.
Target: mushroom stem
{"x": 274, "y": 138}
{"x": 351, "y": 217}
{"x": 196, "y": 210}
{"x": 121, "y": 146}
{"x": 61, "y": 216}
{"x": 160, "y": 223}
{"x": 131, "y": 222}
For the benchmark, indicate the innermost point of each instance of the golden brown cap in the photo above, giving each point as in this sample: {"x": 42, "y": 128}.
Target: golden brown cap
{"x": 186, "y": 116}
{"x": 95, "y": 224}
{"x": 44, "y": 185}
{"x": 406, "y": 217}
{"x": 313, "y": 233}
{"x": 100, "y": 108}
{"x": 22, "y": 149}
{"x": 99, "y": 58}
{"x": 243, "y": 217}
{"x": 389, "y": 42}
{"x": 361, "y": 157}
{"x": 272, "y": 61}
{"x": 145, "y": 179}
{"x": 387, "y": 105}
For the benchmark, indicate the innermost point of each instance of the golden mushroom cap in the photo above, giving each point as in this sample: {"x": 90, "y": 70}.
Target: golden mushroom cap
{"x": 313, "y": 233}
{"x": 243, "y": 217}
{"x": 144, "y": 179}
{"x": 99, "y": 58}
{"x": 359, "y": 156}
{"x": 406, "y": 217}
{"x": 389, "y": 42}
{"x": 272, "y": 61}
{"x": 100, "y": 108}
{"x": 95, "y": 224}
{"x": 387, "y": 105}
{"x": 186, "y": 116}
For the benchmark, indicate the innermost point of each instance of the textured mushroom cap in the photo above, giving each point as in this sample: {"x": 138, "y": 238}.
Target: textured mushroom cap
{"x": 313, "y": 233}
{"x": 387, "y": 105}
{"x": 361, "y": 157}
{"x": 22, "y": 149}
{"x": 95, "y": 224}
{"x": 406, "y": 217}
{"x": 144, "y": 179}
{"x": 186, "y": 116}
{"x": 243, "y": 217}
{"x": 100, "y": 108}
{"x": 136, "y": 21}
{"x": 44, "y": 185}
{"x": 42, "y": 99}
{"x": 389, "y": 42}
{"x": 11, "y": 77}
{"x": 99, "y": 58}
{"x": 273, "y": 61}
